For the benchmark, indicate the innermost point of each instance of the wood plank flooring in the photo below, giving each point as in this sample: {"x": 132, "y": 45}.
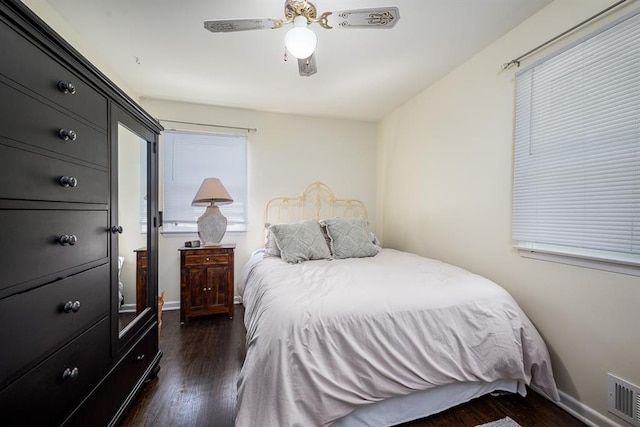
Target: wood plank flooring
{"x": 196, "y": 386}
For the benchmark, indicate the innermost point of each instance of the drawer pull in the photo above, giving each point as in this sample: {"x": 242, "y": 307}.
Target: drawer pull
{"x": 117, "y": 229}
{"x": 70, "y": 374}
{"x": 68, "y": 239}
{"x": 139, "y": 358}
{"x": 71, "y": 306}
{"x": 67, "y": 87}
{"x": 67, "y": 134}
{"x": 68, "y": 181}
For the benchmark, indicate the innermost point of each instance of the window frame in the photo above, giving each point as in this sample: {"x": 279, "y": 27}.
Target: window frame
{"x": 619, "y": 262}
{"x": 237, "y": 189}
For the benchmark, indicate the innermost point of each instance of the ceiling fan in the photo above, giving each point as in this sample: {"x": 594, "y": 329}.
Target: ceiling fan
{"x": 300, "y": 40}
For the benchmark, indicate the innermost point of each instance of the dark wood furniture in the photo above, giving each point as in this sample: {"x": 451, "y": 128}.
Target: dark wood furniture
{"x": 141, "y": 279}
{"x": 65, "y": 360}
{"x": 206, "y": 281}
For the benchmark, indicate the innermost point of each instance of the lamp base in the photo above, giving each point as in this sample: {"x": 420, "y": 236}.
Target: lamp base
{"x": 211, "y": 244}
{"x": 211, "y": 226}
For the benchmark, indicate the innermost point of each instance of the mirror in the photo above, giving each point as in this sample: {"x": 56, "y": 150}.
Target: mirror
{"x": 132, "y": 217}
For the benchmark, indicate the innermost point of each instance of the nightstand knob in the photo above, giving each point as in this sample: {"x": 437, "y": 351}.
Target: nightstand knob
{"x": 68, "y": 181}
{"x": 70, "y": 373}
{"x": 67, "y": 239}
{"x": 70, "y": 306}
{"x": 208, "y": 259}
{"x": 67, "y": 134}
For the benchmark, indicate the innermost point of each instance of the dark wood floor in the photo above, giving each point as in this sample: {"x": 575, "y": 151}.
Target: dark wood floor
{"x": 202, "y": 359}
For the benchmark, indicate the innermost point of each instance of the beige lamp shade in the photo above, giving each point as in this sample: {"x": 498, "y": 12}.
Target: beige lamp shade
{"x": 212, "y": 225}
{"x": 211, "y": 192}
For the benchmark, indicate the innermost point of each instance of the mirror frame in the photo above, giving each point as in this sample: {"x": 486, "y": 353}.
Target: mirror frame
{"x": 120, "y": 338}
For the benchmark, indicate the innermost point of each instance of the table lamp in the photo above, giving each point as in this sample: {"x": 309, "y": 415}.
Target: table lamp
{"x": 212, "y": 224}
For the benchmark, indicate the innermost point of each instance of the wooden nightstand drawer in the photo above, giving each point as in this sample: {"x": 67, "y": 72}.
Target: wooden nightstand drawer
{"x": 210, "y": 259}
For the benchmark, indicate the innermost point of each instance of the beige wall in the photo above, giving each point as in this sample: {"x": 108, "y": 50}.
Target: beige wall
{"x": 49, "y": 15}
{"x": 445, "y": 171}
{"x": 285, "y": 154}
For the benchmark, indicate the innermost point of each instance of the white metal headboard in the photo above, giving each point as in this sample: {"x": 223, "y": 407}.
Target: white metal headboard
{"x": 316, "y": 202}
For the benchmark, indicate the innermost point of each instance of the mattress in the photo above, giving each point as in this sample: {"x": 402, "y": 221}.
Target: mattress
{"x": 327, "y": 337}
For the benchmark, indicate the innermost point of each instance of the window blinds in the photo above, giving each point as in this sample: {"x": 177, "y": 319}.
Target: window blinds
{"x": 577, "y": 147}
{"x": 189, "y": 158}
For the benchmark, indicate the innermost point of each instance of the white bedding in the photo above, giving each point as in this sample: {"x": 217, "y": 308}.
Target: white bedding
{"x": 326, "y": 336}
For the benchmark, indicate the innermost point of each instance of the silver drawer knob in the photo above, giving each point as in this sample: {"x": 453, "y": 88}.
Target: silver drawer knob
{"x": 68, "y": 239}
{"x": 67, "y": 87}
{"x": 71, "y": 306}
{"x": 68, "y": 181}
{"x": 67, "y": 134}
{"x": 70, "y": 374}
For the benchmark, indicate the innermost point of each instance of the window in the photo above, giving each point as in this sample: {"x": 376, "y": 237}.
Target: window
{"x": 576, "y": 189}
{"x": 189, "y": 158}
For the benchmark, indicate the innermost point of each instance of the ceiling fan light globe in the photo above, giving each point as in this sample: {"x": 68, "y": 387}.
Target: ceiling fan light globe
{"x": 300, "y": 41}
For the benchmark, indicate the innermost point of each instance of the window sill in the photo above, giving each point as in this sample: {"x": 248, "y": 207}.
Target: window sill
{"x": 615, "y": 263}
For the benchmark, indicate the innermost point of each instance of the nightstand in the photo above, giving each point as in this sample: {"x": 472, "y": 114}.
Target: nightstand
{"x": 206, "y": 281}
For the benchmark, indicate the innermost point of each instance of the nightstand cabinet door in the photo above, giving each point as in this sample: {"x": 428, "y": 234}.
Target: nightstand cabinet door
{"x": 206, "y": 281}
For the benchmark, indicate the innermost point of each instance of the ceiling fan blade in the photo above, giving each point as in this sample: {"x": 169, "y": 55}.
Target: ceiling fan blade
{"x": 307, "y": 67}
{"x": 379, "y": 17}
{"x": 230, "y": 25}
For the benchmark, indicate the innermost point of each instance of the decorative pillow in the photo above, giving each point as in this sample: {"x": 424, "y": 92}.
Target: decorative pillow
{"x": 300, "y": 241}
{"x": 270, "y": 245}
{"x": 349, "y": 238}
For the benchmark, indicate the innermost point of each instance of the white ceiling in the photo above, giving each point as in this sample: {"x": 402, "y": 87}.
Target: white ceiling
{"x": 160, "y": 49}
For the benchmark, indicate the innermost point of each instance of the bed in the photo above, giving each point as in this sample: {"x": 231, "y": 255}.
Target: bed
{"x": 358, "y": 335}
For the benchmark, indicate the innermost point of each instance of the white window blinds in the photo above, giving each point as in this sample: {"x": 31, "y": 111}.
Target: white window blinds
{"x": 576, "y": 183}
{"x": 189, "y": 158}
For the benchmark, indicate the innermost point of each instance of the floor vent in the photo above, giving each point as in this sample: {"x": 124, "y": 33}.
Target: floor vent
{"x": 624, "y": 399}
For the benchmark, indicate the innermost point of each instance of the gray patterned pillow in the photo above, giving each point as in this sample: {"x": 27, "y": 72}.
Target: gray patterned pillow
{"x": 349, "y": 238}
{"x": 270, "y": 246}
{"x": 300, "y": 241}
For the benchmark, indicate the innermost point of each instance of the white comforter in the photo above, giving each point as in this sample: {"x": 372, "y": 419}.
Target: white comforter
{"x": 326, "y": 336}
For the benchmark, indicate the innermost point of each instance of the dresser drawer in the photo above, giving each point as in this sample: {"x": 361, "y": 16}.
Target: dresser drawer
{"x": 27, "y": 65}
{"x": 123, "y": 381}
{"x": 39, "y": 232}
{"x": 31, "y": 122}
{"x": 203, "y": 259}
{"x": 49, "y": 392}
{"x": 38, "y": 177}
{"x": 46, "y": 317}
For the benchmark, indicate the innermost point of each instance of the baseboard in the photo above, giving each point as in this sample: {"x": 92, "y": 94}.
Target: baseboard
{"x": 171, "y": 305}
{"x": 584, "y": 413}
{"x": 175, "y": 305}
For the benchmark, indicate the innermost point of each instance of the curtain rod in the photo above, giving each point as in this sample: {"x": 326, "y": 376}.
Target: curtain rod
{"x": 516, "y": 61}
{"x": 209, "y": 124}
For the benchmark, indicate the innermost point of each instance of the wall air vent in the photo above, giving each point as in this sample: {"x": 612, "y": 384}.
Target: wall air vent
{"x": 624, "y": 399}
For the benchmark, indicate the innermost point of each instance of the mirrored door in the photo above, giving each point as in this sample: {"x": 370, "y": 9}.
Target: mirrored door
{"x": 133, "y": 227}
{"x": 132, "y": 220}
